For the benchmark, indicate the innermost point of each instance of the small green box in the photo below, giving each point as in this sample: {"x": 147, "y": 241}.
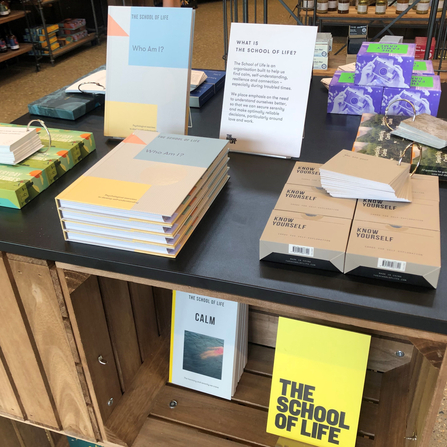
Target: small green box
{"x": 78, "y": 443}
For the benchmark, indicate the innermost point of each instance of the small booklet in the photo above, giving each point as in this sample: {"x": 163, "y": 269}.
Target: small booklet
{"x": 17, "y": 143}
{"x": 197, "y": 78}
{"x": 424, "y": 129}
{"x": 359, "y": 176}
{"x": 209, "y": 343}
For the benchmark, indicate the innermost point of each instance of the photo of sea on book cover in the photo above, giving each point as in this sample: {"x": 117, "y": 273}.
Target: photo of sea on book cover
{"x": 208, "y": 343}
{"x": 317, "y": 383}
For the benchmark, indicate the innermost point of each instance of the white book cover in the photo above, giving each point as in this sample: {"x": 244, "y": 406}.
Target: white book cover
{"x": 267, "y": 84}
{"x": 203, "y": 343}
{"x": 149, "y": 54}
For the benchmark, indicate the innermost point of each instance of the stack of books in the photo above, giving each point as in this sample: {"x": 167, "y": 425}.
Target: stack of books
{"x": 147, "y": 195}
{"x": 21, "y": 183}
{"x": 358, "y": 176}
{"x": 17, "y": 143}
{"x": 209, "y": 343}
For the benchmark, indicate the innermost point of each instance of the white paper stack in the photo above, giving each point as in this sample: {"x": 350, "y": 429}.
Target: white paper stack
{"x": 197, "y": 77}
{"x": 425, "y": 129}
{"x": 17, "y": 143}
{"x": 209, "y": 343}
{"x": 358, "y": 176}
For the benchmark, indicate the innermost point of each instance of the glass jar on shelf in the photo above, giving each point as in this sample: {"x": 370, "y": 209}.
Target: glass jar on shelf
{"x": 308, "y": 5}
{"x": 440, "y": 5}
{"x": 362, "y": 7}
{"x": 322, "y": 6}
{"x": 401, "y": 6}
{"x": 343, "y": 6}
{"x": 332, "y": 5}
{"x": 422, "y": 7}
{"x": 381, "y": 6}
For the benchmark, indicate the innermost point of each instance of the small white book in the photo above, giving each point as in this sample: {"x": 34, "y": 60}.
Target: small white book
{"x": 18, "y": 143}
{"x": 208, "y": 343}
{"x": 360, "y": 176}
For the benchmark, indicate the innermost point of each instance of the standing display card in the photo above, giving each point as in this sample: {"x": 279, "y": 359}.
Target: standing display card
{"x": 267, "y": 88}
{"x": 317, "y": 383}
{"x": 149, "y": 54}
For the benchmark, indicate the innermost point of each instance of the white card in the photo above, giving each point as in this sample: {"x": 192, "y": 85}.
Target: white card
{"x": 267, "y": 87}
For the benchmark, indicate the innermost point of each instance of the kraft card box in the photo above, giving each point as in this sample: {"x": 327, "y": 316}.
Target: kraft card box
{"x": 385, "y": 64}
{"x": 346, "y": 98}
{"x": 417, "y": 214}
{"x": 305, "y": 240}
{"x": 305, "y": 173}
{"x": 314, "y": 200}
{"x": 424, "y": 94}
{"x": 399, "y": 254}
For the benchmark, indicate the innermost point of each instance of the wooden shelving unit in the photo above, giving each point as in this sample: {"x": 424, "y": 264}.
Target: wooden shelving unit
{"x": 53, "y": 54}
{"x": 24, "y": 47}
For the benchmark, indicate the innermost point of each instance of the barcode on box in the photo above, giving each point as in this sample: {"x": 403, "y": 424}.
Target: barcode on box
{"x": 301, "y": 250}
{"x": 392, "y": 265}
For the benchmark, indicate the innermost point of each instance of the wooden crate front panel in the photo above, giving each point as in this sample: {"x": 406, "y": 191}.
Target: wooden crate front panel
{"x": 382, "y": 357}
{"x": 42, "y": 309}
{"x": 91, "y": 322}
{"x": 121, "y": 325}
{"x": 8, "y": 399}
{"x": 21, "y": 355}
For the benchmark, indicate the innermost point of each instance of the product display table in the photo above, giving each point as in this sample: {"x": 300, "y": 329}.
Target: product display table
{"x": 93, "y": 323}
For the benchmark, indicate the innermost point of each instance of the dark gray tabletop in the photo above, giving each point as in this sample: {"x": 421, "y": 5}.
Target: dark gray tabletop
{"x": 222, "y": 254}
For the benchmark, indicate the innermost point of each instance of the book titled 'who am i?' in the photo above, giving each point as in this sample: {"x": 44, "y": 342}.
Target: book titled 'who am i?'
{"x": 148, "y": 69}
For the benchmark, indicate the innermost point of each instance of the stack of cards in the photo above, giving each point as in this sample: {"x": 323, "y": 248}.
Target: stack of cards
{"x": 424, "y": 129}
{"x": 17, "y": 143}
{"x": 359, "y": 176}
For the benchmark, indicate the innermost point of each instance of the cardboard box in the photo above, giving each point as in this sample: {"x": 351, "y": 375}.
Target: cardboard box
{"x": 325, "y": 37}
{"x": 421, "y": 68}
{"x": 321, "y": 50}
{"x": 424, "y": 94}
{"x": 354, "y": 44}
{"x": 417, "y": 214}
{"x": 304, "y": 173}
{"x": 314, "y": 200}
{"x": 303, "y": 240}
{"x": 383, "y": 64}
{"x": 346, "y": 98}
{"x": 320, "y": 63}
{"x": 399, "y": 254}
{"x": 392, "y": 39}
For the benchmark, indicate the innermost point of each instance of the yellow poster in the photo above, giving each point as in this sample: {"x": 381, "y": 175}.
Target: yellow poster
{"x": 317, "y": 384}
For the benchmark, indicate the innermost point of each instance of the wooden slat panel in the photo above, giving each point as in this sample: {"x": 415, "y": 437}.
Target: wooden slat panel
{"x": 214, "y": 415}
{"x": 392, "y": 415}
{"x": 260, "y": 361}
{"x": 20, "y": 356}
{"x": 41, "y": 305}
{"x": 91, "y": 323}
{"x": 8, "y": 399}
{"x": 32, "y": 436}
{"x": 434, "y": 352}
{"x": 368, "y": 418}
{"x": 118, "y": 308}
{"x": 145, "y": 317}
{"x": 8, "y": 435}
{"x": 158, "y": 433}
{"x": 423, "y": 382}
{"x": 131, "y": 412}
{"x": 163, "y": 306}
{"x": 382, "y": 356}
